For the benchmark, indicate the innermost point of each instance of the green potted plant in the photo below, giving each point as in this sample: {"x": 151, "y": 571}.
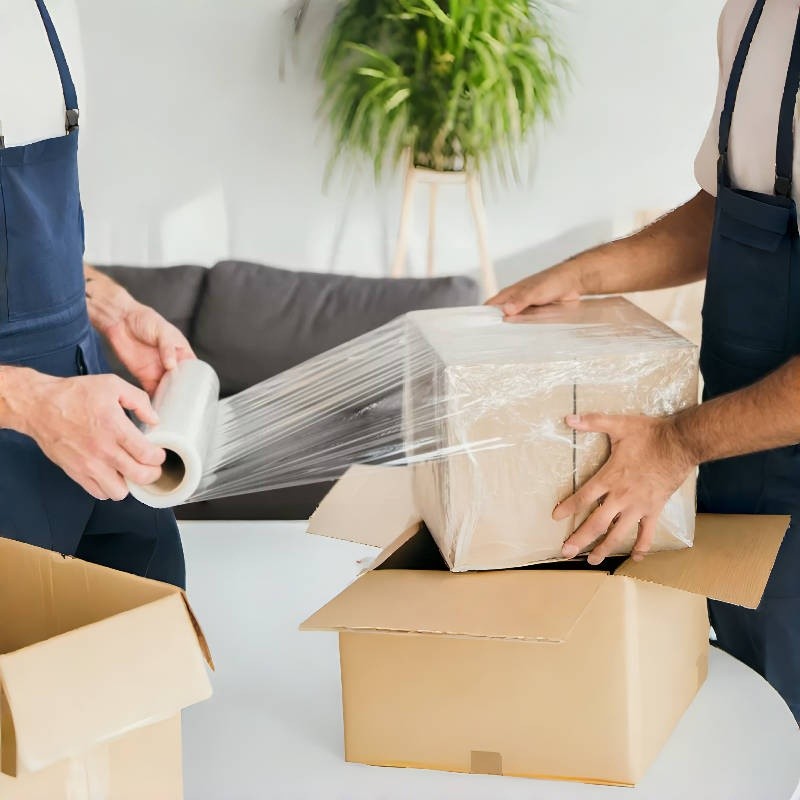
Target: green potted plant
{"x": 456, "y": 84}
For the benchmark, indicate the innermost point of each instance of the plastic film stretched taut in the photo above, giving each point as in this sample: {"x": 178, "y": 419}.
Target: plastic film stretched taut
{"x": 472, "y": 404}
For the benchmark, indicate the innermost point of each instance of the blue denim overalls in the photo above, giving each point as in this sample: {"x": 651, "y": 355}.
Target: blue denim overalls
{"x": 751, "y": 326}
{"x": 44, "y": 325}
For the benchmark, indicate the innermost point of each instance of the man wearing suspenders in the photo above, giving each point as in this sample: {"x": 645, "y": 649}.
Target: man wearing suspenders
{"x": 740, "y": 232}
{"x": 66, "y": 442}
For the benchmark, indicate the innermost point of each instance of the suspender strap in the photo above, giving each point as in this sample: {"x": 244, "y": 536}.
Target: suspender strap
{"x": 726, "y": 117}
{"x": 784, "y": 155}
{"x": 67, "y": 86}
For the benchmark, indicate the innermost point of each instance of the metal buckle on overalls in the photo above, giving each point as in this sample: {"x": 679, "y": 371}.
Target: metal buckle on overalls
{"x": 72, "y": 119}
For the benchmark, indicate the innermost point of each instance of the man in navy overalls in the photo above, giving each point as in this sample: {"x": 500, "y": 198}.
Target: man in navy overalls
{"x": 66, "y": 442}
{"x": 745, "y": 434}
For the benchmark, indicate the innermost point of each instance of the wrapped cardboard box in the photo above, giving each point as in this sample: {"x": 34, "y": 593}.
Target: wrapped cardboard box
{"x": 494, "y": 394}
{"x": 95, "y": 667}
{"x": 549, "y": 671}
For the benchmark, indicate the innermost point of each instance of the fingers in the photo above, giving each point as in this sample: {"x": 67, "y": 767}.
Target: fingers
{"x": 595, "y": 526}
{"x": 138, "y": 401}
{"x": 610, "y": 530}
{"x": 173, "y": 347}
{"x": 512, "y": 300}
{"x": 185, "y": 352}
{"x": 647, "y": 532}
{"x": 595, "y": 423}
{"x": 583, "y": 499}
{"x": 140, "y": 448}
{"x": 110, "y": 482}
{"x": 555, "y": 285}
{"x": 135, "y": 471}
{"x": 168, "y": 353}
{"x": 612, "y": 543}
{"x": 503, "y": 299}
{"x": 499, "y": 298}
{"x": 87, "y": 483}
{"x": 513, "y": 305}
{"x": 109, "y": 475}
{"x": 152, "y": 329}
{"x": 93, "y": 489}
{"x": 133, "y": 458}
{"x": 137, "y": 458}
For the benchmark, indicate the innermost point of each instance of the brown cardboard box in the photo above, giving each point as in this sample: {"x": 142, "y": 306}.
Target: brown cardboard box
{"x": 549, "y": 672}
{"x": 95, "y": 667}
{"x": 494, "y": 394}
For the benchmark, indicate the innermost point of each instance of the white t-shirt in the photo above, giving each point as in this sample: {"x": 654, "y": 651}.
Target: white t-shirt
{"x": 31, "y": 99}
{"x": 755, "y": 118}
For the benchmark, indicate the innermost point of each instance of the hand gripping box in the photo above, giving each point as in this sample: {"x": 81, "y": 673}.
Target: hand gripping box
{"x": 95, "y": 667}
{"x": 484, "y": 407}
{"x": 552, "y": 671}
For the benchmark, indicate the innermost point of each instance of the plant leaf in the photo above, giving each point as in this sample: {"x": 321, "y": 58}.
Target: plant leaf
{"x": 397, "y": 98}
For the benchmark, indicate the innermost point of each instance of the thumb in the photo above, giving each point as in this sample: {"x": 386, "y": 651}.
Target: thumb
{"x": 507, "y": 301}
{"x": 168, "y": 352}
{"x": 498, "y": 299}
{"x": 513, "y": 307}
{"x": 150, "y": 328}
{"x": 144, "y": 325}
{"x": 138, "y": 401}
{"x": 595, "y": 423}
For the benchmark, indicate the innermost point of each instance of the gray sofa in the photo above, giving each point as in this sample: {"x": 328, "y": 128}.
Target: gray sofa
{"x": 251, "y": 322}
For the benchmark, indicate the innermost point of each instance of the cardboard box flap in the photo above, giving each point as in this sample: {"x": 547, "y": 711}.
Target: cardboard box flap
{"x": 95, "y": 683}
{"x": 201, "y": 637}
{"x": 61, "y": 593}
{"x": 368, "y": 505}
{"x": 730, "y": 561}
{"x": 510, "y": 604}
{"x": 396, "y": 549}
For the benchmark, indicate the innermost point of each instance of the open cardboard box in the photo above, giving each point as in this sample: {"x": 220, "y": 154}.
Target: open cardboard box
{"x": 566, "y": 673}
{"x": 95, "y": 667}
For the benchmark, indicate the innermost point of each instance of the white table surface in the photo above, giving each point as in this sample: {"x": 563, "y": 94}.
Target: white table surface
{"x": 273, "y": 729}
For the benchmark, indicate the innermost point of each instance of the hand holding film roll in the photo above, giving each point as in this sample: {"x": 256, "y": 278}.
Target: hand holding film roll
{"x": 186, "y": 401}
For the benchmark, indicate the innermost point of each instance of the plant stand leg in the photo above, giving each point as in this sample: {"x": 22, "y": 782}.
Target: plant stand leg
{"x": 401, "y": 248}
{"x": 434, "y": 191}
{"x": 479, "y": 215}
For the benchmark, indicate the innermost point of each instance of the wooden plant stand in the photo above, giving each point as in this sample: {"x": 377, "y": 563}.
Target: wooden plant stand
{"x": 434, "y": 179}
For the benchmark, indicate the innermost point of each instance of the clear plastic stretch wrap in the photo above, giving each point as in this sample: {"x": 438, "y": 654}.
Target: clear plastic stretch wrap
{"x": 472, "y": 404}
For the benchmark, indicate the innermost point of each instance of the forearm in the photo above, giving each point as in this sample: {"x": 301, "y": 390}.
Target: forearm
{"x": 106, "y": 301}
{"x": 759, "y": 417}
{"x": 670, "y": 252}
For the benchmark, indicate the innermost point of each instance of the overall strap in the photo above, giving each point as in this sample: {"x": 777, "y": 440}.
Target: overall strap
{"x": 67, "y": 85}
{"x": 726, "y": 117}
{"x": 784, "y": 155}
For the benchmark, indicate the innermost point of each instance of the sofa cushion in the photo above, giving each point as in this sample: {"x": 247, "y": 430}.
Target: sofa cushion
{"x": 173, "y": 291}
{"x": 255, "y": 321}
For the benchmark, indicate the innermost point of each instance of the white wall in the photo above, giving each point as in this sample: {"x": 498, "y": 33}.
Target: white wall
{"x": 195, "y": 150}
